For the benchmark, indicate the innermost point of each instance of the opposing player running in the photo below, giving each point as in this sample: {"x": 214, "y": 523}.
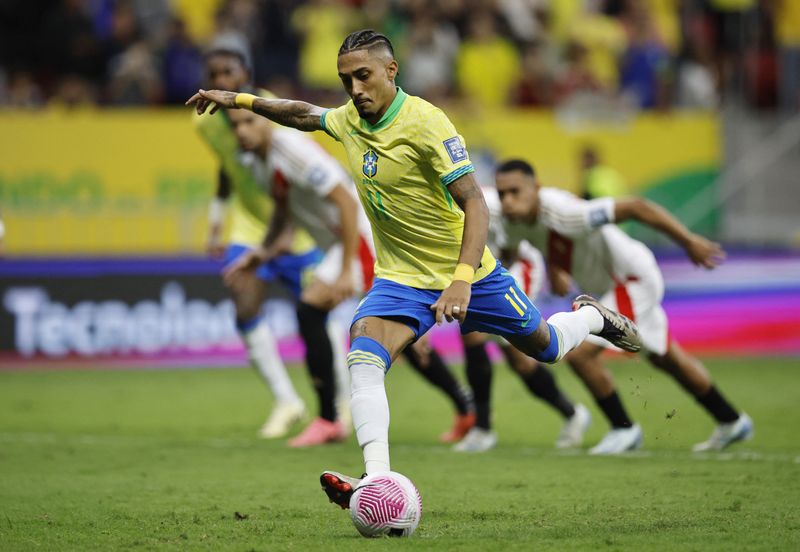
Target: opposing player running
{"x": 227, "y": 65}
{"x": 429, "y": 222}
{"x": 527, "y": 266}
{"x": 580, "y": 242}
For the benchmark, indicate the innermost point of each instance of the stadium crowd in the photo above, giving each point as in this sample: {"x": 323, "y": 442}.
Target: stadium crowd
{"x": 641, "y": 54}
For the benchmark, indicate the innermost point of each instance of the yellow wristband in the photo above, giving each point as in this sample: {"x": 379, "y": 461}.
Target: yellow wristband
{"x": 464, "y": 272}
{"x": 245, "y": 100}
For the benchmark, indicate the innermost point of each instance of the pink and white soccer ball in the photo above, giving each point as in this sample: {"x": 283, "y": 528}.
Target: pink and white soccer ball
{"x": 386, "y": 504}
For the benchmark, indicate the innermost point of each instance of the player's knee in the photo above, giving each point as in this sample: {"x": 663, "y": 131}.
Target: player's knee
{"x": 524, "y": 366}
{"x": 358, "y": 329}
{"x": 247, "y": 312}
{"x": 318, "y": 295}
{"x": 419, "y": 355}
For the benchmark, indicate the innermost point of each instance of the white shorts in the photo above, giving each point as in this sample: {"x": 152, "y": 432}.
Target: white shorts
{"x": 529, "y": 270}
{"x": 639, "y": 298}
{"x": 363, "y": 268}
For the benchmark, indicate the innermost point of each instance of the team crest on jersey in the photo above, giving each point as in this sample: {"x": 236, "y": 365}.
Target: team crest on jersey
{"x": 370, "y": 166}
{"x": 455, "y": 149}
{"x": 598, "y": 217}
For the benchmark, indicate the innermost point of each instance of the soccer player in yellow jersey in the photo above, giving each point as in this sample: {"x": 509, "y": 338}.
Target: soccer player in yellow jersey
{"x": 429, "y": 221}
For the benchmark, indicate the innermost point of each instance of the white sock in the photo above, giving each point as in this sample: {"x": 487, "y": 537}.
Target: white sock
{"x": 592, "y": 318}
{"x": 370, "y": 409}
{"x": 575, "y": 326}
{"x": 263, "y": 351}
{"x": 337, "y": 335}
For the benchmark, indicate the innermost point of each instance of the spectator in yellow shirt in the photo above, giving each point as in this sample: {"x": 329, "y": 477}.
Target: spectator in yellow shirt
{"x": 488, "y": 66}
{"x": 604, "y": 39}
{"x": 321, "y": 25}
{"x": 597, "y": 179}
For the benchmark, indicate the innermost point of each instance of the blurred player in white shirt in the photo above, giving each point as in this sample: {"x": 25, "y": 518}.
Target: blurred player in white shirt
{"x": 311, "y": 190}
{"x": 527, "y": 266}
{"x": 239, "y": 198}
{"x": 581, "y": 243}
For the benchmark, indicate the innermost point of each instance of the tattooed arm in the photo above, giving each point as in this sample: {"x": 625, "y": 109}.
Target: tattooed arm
{"x": 453, "y": 302}
{"x": 467, "y": 194}
{"x": 290, "y": 113}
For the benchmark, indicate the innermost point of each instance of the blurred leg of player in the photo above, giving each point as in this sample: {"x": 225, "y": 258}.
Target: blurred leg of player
{"x": 479, "y": 376}
{"x": 340, "y": 341}
{"x": 539, "y": 381}
{"x": 316, "y": 301}
{"x": 640, "y": 300}
{"x": 690, "y": 373}
{"x": 528, "y": 271}
{"x": 427, "y": 362}
{"x": 248, "y": 296}
{"x": 624, "y": 434}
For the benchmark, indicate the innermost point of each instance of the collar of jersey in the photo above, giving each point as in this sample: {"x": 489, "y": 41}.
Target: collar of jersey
{"x": 390, "y": 114}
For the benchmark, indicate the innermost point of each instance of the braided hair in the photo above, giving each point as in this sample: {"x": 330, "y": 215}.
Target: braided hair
{"x": 365, "y": 39}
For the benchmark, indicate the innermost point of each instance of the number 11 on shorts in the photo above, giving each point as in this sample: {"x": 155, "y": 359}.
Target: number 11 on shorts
{"x": 519, "y": 305}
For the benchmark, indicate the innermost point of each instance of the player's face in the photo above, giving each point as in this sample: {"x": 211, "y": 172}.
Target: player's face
{"x": 368, "y": 78}
{"x": 519, "y": 195}
{"x": 226, "y": 72}
{"x": 252, "y": 131}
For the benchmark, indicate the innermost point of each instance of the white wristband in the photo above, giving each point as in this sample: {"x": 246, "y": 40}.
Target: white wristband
{"x": 2, "y": 230}
{"x": 216, "y": 211}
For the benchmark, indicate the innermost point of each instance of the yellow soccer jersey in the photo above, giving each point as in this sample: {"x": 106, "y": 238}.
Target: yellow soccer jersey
{"x": 250, "y": 207}
{"x": 402, "y": 166}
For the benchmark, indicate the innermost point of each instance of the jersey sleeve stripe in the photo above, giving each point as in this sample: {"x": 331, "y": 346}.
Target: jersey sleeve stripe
{"x": 570, "y": 222}
{"x": 325, "y": 126}
{"x": 456, "y": 174}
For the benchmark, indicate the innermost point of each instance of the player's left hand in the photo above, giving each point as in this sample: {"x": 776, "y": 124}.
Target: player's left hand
{"x": 704, "y": 252}
{"x": 453, "y": 302}
{"x": 220, "y": 98}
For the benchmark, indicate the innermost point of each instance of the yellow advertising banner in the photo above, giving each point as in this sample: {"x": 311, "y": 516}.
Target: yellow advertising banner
{"x": 128, "y": 182}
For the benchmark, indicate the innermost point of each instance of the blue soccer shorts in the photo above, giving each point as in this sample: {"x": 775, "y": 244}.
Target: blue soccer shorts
{"x": 289, "y": 269}
{"x": 497, "y": 306}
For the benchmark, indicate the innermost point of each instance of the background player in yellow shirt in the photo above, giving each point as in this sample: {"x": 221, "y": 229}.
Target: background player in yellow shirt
{"x": 227, "y": 65}
{"x": 429, "y": 222}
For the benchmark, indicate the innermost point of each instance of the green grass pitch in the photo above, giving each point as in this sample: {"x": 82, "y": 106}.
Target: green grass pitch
{"x": 143, "y": 460}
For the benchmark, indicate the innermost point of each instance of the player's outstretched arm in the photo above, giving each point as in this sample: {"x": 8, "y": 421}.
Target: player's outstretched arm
{"x": 290, "y": 113}
{"x": 701, "y": 251}
{"x": 453, "y": 301}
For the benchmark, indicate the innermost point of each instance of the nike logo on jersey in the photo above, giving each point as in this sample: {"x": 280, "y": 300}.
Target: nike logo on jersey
{"x": 527, "y": 320}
